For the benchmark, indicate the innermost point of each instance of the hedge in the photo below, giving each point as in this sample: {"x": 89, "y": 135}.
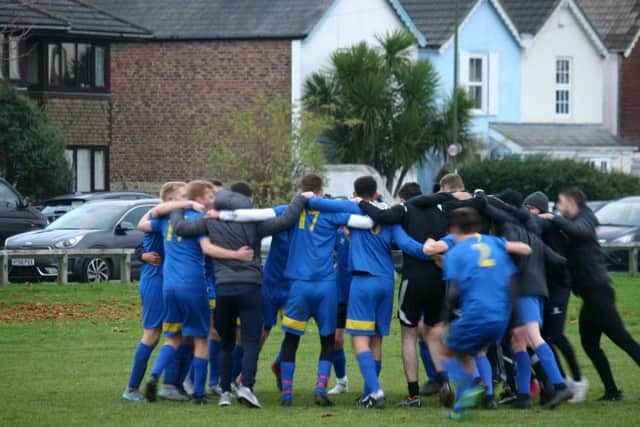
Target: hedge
{"x": 531, "y": 173}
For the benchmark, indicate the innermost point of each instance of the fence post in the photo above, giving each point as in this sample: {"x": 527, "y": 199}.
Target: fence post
{"x": 633, "y": 262}
{"x": 125, "y": 268}
{"x": 4, "y": 270}
{"x": 62, "y": 269}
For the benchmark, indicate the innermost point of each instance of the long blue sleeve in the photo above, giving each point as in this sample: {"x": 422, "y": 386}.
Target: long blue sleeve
{"x": 406, "y": 243}
{"x": 334, "y": 205}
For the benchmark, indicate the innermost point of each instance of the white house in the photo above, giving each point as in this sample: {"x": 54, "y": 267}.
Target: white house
{"x": 563, "y": 87}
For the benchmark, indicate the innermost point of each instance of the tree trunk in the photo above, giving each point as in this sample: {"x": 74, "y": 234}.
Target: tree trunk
{"x": 403, "y": 174}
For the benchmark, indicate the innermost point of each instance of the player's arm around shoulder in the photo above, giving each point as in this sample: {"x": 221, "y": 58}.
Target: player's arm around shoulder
{"x": 408, "y": 244}
{"x": 333, "y": 205}
{"x": 287, "y": 218}
{"x": 518, "y": 248}
{"x": 436, "y": 247}
{"x": 187, "y": 227}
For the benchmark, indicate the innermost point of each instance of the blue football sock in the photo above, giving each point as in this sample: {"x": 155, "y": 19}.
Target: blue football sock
{"x": 442, "y": 376}
{"x": 214, "y": 363}
{"x": 279, "y": 356}
{"x": 236, "y": 355}
{"x": 486, "y": 373}
{"x": 166, "y": 355}
{"x": 199, "y": 376}
{"x": 378, "y": 367}
{"x": 523, "y": 372}
{"x": 461, "y": 378}
{"x": 368, "y": 370}
{"x": 549, "y": 364}
{"x": 185, "y": 356}
{"x": 172, "y": 371}
{"x": 191, "y": 374}
{"x": 427, "y": 361}
{"x": 140, "y": 360}
{"x": 476, "y": 372}
{"x": 288, "y": 369}
{"x": 324, "y": 372}
{"x": 340, "y": 363}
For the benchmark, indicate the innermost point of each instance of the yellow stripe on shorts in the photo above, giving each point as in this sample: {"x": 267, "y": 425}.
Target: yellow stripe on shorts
{"x": 172, "y": 327}
{"x": 298, "y": 325}
{"x": 361, "y": 325}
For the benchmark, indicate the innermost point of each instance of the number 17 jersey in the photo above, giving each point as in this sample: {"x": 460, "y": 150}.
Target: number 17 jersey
{"x": 311, "y": 245}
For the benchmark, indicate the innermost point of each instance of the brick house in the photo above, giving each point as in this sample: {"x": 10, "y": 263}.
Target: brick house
{"x": 191, "y": 60}
{"x": 618, "y": 22}
{"x": 57, "y": 52}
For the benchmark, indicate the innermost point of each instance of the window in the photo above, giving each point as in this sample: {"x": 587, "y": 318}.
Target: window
{"x": 9, "y": 58}
{"x": 134, "y": 215}
{"x": 89, "y": 168}
{"x": 8, "y": 198}
{"x": 475, "y": 77}
{"x": 76, "y": 65}
{"x": 563, "y": 87}
{"x": 601, "y": 164}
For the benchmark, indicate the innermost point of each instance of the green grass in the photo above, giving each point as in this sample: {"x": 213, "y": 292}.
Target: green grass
{"x": 71, "y": 371}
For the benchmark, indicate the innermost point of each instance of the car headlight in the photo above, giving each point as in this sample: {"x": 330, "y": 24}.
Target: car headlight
{"x": 627, "y": 238}
{"x": 68, "y": 243}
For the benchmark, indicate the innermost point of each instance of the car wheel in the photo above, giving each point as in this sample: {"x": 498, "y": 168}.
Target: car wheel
{"x": 97, "y": 270}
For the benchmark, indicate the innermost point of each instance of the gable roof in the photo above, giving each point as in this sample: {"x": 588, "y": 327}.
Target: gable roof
{"x": 436, "y": 18}
{"x": 530, "y": 16}
{"x": 222, "y": 19}
{"x": 617, "y": 21}
{"x": 72, "y": 16}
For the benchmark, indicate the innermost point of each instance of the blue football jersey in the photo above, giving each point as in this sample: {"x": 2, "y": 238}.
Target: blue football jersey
{"x": 152, "y": 242}
{"x": 184, "y": 259}
{"x": 371, "y": 249}
{"x": 276, "y": 262}
{"x": 311, "y": 245}
{"x": 343, "y": 273}
{"x": 482, "y": 269}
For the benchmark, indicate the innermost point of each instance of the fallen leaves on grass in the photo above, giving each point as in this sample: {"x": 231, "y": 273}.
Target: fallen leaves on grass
{"x": 86, "y": 311}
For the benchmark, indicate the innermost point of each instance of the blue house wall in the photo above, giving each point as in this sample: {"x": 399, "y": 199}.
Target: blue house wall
{"x": 483, "y": 32}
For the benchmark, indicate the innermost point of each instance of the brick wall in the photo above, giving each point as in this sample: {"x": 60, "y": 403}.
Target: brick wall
{"x": 82, "y": 121}
{"x": 163, "y": 91}
{"x": 630, "y": 97}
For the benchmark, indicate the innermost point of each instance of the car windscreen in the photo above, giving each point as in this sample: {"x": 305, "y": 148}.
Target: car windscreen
{"x": 89, "y": 216}
{"x": 620, "y": 213}
{"x": 61, "y": 204}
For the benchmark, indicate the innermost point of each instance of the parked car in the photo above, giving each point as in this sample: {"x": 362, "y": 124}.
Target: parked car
{"x": 108, "y": 224}
{"x": 16, "y": 213}
{"x": 57, "y": 206}
{"x": 619, "y": 223}
{"x": 596, "y": 205}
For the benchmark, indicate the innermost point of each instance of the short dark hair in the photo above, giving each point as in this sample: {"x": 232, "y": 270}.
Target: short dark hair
{"x": 409, "y": 190}
{"x": 311, "y": 182}
{"x": 216, "y": 182}
{"x": 243, "y": 188}
{"x": 365, "y": 186}
{"x": 576, "y": 194}
{"x": 467, "y": 220}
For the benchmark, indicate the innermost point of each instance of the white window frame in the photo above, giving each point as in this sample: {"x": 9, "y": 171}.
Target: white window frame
{"x": 483, "y": 84}
{"x": 2, "y": 77}
{"x": 563, "y": 87}
{"x": 603, "y": 164}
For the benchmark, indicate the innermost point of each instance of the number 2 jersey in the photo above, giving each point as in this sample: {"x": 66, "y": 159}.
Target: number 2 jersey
{"x": 482, "y": 269}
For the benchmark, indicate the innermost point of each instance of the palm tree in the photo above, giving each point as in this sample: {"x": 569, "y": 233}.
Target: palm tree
{"x": 383, "y": 105}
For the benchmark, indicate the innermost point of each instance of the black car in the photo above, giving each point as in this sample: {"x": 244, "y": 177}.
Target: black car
{"x": 57, "y": 206}
{"x": 16, "y": 214}
{"x": 619, "y": 223}
{"x": 100, "y": 224}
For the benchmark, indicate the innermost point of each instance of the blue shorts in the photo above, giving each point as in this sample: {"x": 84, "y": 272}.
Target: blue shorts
{"x": 370, "y": 306}
{"x": 528, "y": 309}
{"x": 152, "y": 304}
{"x": 274, "y": 302}
{"x": 311, "y": 299}
{"x": 470, "y": 336}
{"x": 186, "y": 312}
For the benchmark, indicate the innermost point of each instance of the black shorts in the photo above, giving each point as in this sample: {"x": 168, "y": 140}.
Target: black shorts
{"x": 420, "y": 299}
{"x": 342, "y": 316}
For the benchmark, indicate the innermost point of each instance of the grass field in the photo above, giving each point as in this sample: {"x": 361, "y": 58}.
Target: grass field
{"x": 65, "y": 355}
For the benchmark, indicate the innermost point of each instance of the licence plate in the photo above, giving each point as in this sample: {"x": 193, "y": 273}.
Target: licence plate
{"x": 23, "y": 262}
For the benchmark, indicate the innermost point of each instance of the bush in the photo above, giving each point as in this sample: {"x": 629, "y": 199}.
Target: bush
{"x": 259, "y": 144}
{"x": 32, "y": 152}
{"x": 532, "y": 173}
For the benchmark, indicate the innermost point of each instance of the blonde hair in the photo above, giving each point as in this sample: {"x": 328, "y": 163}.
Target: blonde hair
{"x": 197, "y": 188}
{"x": 452, "y": 181}
{"x": 169, "y": 188}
